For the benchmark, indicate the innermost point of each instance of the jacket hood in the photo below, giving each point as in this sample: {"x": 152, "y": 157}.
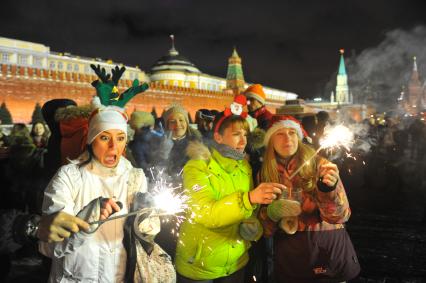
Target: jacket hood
{"x": 72, "y": 112}
{"x": 198, "y": 151}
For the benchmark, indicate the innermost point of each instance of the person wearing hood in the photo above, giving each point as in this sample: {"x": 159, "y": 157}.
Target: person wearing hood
{"x": 144, "y": 139}
{"x": 52, "y": 158}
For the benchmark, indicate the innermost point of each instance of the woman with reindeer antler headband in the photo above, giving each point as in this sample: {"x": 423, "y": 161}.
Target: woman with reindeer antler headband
{"x": 99, "y": 183}
{"x": 220, "y": 222}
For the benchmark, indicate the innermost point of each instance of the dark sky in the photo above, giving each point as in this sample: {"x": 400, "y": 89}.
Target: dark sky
{"x": 291, "y": 45}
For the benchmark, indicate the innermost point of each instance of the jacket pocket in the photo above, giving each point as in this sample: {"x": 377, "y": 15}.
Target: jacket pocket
{"x": 197, "y": 253}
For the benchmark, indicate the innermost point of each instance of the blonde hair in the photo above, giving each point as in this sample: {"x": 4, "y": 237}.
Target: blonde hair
{"x": 306, "y": 176}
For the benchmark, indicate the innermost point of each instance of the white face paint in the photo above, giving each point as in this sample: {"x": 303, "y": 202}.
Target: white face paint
{"x": 236, "y": 108}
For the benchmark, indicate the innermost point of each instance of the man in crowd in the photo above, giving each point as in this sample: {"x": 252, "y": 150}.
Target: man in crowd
{"x": 257, "y": 109}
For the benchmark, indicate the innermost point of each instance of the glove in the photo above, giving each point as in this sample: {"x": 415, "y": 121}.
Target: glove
{"x": 283, "y": 207}
{"x": 289, "y": 224}
{"x": 251, "y": 229}
{"x": 142, "y": 200}
{"x": 323, "y": 187}
{"x": 166, "y": 146}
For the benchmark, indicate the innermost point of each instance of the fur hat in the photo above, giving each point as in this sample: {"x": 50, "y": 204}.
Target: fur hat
{"x": 106, "y": 118}
{"x": 141, "y": 119}
{"x": 256, "y": 91}
{"x": 284, "y": 121}
{"x": 176, "y": 108}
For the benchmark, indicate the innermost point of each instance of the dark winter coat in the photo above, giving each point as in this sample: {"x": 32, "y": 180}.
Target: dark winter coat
{"x": 175, "y": 158}
{"x": 263, "y": 117}
{"x": 142, "y": 148}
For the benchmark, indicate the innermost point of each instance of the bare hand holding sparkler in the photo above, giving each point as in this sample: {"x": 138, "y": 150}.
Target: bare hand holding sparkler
{"x": 334, "y": 137}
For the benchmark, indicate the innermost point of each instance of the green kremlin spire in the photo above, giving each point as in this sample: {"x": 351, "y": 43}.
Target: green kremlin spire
{"x": 342, "y": 68}
{"x": 235, "y": 76}
{"x": 342, "y": 88}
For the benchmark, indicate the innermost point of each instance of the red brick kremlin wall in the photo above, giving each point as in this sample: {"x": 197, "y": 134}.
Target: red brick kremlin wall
{"x": 21, "y": 88}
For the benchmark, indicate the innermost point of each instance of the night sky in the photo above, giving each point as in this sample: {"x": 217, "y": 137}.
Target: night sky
{"x": 290, "y": 45}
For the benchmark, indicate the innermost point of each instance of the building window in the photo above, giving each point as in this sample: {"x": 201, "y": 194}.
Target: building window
{"x": 69, "y": 67}
{"x": 5, "y": 57}
{"x": 76, "y": 67}
{"x": 37, "y": 61}
{"x": 87, "y": 69}
{"x": 52, "y": 65}
{"x": 60, "y": 65}
{"x": 23, "y": 59}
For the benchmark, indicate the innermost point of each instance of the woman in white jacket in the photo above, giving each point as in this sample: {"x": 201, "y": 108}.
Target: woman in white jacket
{"x": 92, "y": 187}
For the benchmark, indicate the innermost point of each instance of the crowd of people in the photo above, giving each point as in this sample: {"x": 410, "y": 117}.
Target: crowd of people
{"x": 248, "y": 217}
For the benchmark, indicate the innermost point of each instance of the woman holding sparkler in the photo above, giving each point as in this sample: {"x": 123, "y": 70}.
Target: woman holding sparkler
{"x": 99, "y": 183}
{"x": 307, "y": 221}
{"x": 220, "y": 221}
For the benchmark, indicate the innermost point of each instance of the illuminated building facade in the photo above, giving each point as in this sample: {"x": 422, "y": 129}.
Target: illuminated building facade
{"x": 30, "y": 73}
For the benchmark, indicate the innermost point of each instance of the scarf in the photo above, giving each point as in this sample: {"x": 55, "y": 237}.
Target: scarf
{"x": 229, "y": 152}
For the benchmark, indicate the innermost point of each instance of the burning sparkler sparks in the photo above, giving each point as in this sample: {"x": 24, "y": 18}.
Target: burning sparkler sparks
{"x": 334, "y": 137}
{"x": 337, "y": 136}
{"x": 168, "y": 200}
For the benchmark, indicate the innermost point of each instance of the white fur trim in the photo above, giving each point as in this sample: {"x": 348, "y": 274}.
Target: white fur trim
{"x": 280, "y": 125}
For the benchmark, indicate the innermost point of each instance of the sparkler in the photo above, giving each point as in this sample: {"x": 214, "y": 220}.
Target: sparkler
{"x": 167, "y": 200}
{"x": 334, "y": 137}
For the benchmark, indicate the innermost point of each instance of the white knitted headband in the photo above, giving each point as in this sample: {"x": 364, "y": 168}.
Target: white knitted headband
{"x": 104, "y": 119}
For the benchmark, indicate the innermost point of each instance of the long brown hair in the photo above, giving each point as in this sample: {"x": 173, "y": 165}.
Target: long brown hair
{"x": 306, "y": 176}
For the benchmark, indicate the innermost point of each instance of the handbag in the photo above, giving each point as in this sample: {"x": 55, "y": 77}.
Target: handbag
{"x": 147, "y": 262}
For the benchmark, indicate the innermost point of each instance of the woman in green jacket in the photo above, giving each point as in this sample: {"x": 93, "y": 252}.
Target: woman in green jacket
{"x": 220, "y": 221}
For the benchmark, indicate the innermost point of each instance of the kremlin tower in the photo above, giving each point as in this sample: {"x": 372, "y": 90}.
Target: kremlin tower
{"x": 342, "y": 95}
{"x": 234, "y": 75}
{"x": 413, "y": 100}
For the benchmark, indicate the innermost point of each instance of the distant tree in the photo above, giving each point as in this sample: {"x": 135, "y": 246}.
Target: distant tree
{"x": 154, "y": 112}
{"x": 37, "y": 115}
{"x": 5, "y": 116}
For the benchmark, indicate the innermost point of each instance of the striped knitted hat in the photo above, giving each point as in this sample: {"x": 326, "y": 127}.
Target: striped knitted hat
{"x": 256, "y": 91}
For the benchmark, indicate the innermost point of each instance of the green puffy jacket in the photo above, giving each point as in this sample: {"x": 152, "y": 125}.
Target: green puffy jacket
{"x": 209, "y": 244}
